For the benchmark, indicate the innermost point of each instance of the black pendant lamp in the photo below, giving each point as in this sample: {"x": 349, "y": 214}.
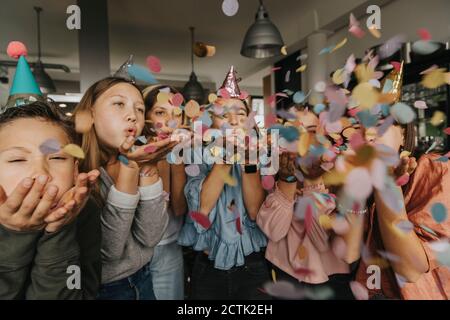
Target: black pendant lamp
{"x": 262, "y": 40}
{"x": 43, "y": 80}
{"x": 193, "y": 90}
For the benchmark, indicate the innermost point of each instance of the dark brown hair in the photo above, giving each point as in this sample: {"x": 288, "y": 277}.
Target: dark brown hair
{"x": 39, "y": 110}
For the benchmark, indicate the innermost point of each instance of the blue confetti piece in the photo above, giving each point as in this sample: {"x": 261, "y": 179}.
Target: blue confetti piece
{"x": 141, "y": 73}
{"x": 123, "y": 159}
{"x": 325, "y": 50}
{"x": 439, "y": 212}
{"x": 299, "y": 97}
{"x": 442, "y": 159}
{"x": 289, "y": 133}
{"x": 206, "y": 119}
{"x": 317, "y": 150}
{"x": 367, "y": 119}
{"x": 318, "y": 108}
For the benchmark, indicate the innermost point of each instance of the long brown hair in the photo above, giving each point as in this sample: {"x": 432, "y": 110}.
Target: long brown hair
{"x": 97, "y": 155}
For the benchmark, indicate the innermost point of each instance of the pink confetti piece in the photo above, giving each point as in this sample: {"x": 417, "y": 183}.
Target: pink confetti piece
{"x": 153, "y": 64}
{"x": 447, "y": 131}
{"x": 401, "y": 181}
{"x": 238, "y": 225}
{"x": 224, "y": 93}
{"x": 424, "y": 34}
{"x": 276, "y": 69}
{"x": 397, "y": 65}
{"x": 304, "y": 272}
{"x": 201, "y": 219}
{"x": 150, "y": 149}
{"x": 192, "y": 170}
{"x": 268, "y": 182}
{"x": 357, "y": 32}
{"x": 420, "y": 105}
{"x": 358, "y": 184}
{"x": 244, "y": 95}
{"x": 177, "y": 99}
{"x": 359, "y": 291}
{"x": 357, "y": 140}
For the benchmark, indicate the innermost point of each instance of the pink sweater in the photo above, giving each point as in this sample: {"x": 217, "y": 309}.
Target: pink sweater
{"x": 287, "y": 234}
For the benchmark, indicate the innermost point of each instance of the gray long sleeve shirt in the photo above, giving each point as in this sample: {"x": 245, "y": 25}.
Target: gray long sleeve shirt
{"x": 132, "y": 225}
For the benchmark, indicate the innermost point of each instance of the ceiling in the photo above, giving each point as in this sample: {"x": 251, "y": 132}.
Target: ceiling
{"x": 160, "y": 28}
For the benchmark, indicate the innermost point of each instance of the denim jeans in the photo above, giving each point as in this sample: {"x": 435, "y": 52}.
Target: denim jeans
{"x": 244, "y": 282}
{"x": 167, "y": 272}
{"x": 135, "y": 287}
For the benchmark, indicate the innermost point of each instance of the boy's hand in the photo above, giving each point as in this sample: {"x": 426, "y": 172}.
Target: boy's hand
{"x": 72, "y": 202}
{"x": 24, "y": 209}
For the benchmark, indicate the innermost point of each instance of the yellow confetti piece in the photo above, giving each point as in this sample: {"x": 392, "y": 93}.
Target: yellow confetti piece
{"x": 229, "y": 180}
{"x": 274, "y": 276}
{"x": 339, "y": 77}
{"x": 215, "y": 151}
{"x": 434, "y": 79}
{"x": 405, "y": 154}
{"x": 162, "y": 97}
{"x": 380, "y": 262}
{"x": 371, "y": 133}
{"x": 301, "y": 68}
{"x": 333, "y": 178}
{"x": 212, "y": 97}
{"x": 177, "y": 111}
{"x": 302, "y": 252}
{"x": 284, "y": 50}
{"x": 339, "y": 45}
{"x": 74, "y": 151}
{"x": 192, "y": 109}
{"x": 364, "y": 155}
{"x": 438, "y": 118}
{"x": 364, "y": 73}
{"x": 365, "y": 95}
{"x": 303, "y": 144}
{"x": 375, "y": 32}
{"x": 325, "y": 221}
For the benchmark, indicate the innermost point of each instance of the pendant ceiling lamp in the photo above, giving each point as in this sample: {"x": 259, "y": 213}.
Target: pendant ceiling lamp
{"x": 262, "y": 40}
{"x": 193, "y": 90}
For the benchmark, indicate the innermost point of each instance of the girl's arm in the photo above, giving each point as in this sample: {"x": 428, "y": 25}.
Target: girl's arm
{"x": 178, "y": 181}
{"x": 212, "y": 187}
{"x": 413, "y": 261}
{"x": 253, "y": 193}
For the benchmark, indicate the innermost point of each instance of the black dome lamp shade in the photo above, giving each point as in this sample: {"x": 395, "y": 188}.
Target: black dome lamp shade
{"x": 262, "y": 40}
{"x": 193, "y": 90}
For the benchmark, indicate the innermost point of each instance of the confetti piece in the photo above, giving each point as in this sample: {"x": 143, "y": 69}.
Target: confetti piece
{"x": 339, "y": 45}
{"x": 420, "y": 105}
{"x": 50, "y": 146}
{"x": 299, "y": 97}
{"x": 74, "y": 151}
{"x": 401, "y": 181}
{"x": 424, "y": 34}
{"x": 434, "y": 79}
{"x": 287, "y": 76}
{"x": 405, "y": 226}
{"x": 244, "y": 95}
{"x": 391, "y": 46}
{"x": 230, "y": 7}
{"x": 192, "y": 109}
{"x": 358, "y": 184}
{"x": 365, "y": 95}
{"x": 447, "y": 131}
{"x": 177, "y": 99}
{"x": 238, "y": 225}
{"x": 439, "y": 246}
{"x": 326, "y": 50}
{"x": 192, "y": 170}
{"x": 224, "y": 93}
{"x": 438, "y": 118}
{"x": 429, "y": 230}
{"x": 424, "y": 47}
{"x": 403, "y": 113}
{"x": 268, "y": 182}
{"x": 302, "y": 252}
{"x": 283, "y": 50}
{"x": 229, "y": 180}
{"x": 153, "y": 64}
{"x": 275, "y": 69}
{"x": 142, "y": 139}
{"x": 340, "y": 226}
{"x": 359, "y": 291}
{"x": 439, "y": 212}
{"x": 284, "y": 290}
{"x": 16, "y": 49}
{"x": 357, "y": 32}
{"x": 150, "y": 149}
{"x": 162, "y": 97}
{"x": 442, "y": 159}
{"x": 123, "y": 159}
{"x": 301, "y": 68}
{"x": 367, "y": 119}
{"x": 201, "y": 219}
{"x": 141, "y": 73}
{"x": 309, "y": 217}
{"x": 339, "y": 76}
{"x": 375, "y": 32}
{"x": 318, "y": 108}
